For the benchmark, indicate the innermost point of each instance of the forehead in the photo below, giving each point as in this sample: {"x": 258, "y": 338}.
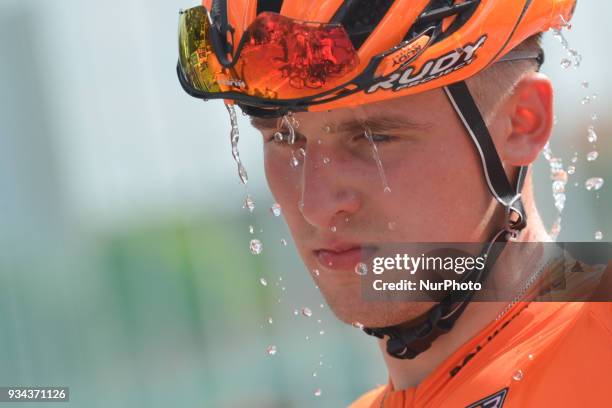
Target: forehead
{"x": 415, "y": 111}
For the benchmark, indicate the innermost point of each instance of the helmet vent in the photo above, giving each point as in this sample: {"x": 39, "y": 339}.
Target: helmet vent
{"x": 269, "y": 5}
{"x": 360, "y": 18}
{"x": 440, "y": 10}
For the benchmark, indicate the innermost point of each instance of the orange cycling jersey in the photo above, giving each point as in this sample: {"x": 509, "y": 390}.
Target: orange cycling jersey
{"x": 540, "y": 354}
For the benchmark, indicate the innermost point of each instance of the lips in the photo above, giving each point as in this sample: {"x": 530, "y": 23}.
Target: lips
{"x": 343, "y": 257}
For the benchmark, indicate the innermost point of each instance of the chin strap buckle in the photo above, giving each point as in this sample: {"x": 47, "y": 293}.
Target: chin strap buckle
{"x": 515, "y": 220}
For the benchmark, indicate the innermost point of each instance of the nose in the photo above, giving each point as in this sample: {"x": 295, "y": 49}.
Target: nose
{"x": 328, "y": 192}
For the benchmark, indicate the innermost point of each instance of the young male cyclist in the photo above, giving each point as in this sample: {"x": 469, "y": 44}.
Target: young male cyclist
{"x": 415, "y": 121}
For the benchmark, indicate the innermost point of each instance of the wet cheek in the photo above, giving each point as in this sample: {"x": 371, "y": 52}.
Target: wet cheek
{"x": 426, "y": 190}
{"x": 283, "y": 180}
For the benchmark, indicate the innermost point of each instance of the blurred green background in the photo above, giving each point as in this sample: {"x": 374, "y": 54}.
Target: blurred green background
{"x": 125, "y": 272}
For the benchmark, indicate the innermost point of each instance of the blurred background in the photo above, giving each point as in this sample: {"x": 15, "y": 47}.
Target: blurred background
{"x": 125, "y": 270}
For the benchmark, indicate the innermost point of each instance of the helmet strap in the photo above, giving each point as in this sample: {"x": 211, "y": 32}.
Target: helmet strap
{"x": 463, "y": 102}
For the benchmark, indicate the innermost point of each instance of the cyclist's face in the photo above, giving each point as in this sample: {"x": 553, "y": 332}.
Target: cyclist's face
{"x": 334, "y": 200}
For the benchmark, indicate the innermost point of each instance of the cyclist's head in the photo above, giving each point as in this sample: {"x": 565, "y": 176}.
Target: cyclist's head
{"x": 384, "y": 151}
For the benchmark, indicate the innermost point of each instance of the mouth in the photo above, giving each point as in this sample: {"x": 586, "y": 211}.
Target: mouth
{"x": 343, "y": 257}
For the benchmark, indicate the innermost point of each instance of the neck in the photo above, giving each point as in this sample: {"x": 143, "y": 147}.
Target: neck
{"x": 522, "y": 260}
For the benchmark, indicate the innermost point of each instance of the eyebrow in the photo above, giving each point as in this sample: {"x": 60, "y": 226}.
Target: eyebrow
{"x": 380, "y": 123}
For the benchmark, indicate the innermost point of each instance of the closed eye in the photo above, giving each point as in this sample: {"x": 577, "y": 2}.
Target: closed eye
{"x": 282, "y": 138}
{"x": 376, "y": 138}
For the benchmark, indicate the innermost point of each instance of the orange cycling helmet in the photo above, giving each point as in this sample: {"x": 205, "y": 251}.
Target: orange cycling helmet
{"x": 297, "y": 55}
{"x": 272, "y": 57}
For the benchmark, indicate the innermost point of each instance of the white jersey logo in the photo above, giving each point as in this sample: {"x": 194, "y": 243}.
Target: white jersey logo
{"x": 492, "y": 401}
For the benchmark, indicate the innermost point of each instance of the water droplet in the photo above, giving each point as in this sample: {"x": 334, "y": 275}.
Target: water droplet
{"x": 571, "y": 170}
{"x": 283, "y": 288}
{"x": 326, "y": 160}
{"x": 392, "y": 225}
{"x": 271, "y": 350}
{"x": 594, "y": 117}
{"x": 256, "y": 246}
{"x": 592, "y": 137}
{"x": 319, "y": 321}
{"x": 555, "y": 229}
{"x": 249, "y": 203}
{"x": 283, "y": 242}
{"x": 566, "y": 63}
{"x": 530, "y": 357}
{"x": 333, "y": 228}
{"x": 270, "y": 321}
{"x": 546, "y": 152}
{"x": 321, "y": 305}
{"x": 307, "y": 338}
{"x": 289, "y": 124}
{"x": 295, "y": 312}
{"x": 318, "y": 392}
{"x": 576, "y": 184}
{"x": 361, "y": 269}
{"x": 594, "y": 183}
{"x": 302, "y": 152}
{"x": 559, "y": 201}
{"x": 306, "y": 312}
{"x": 598, "y": 235}
{"x": 314, "y": 374}
{"x": 322, "y": 332}
{"x": 294, "y": 122}
{"x": 518, "y": 375}
{"x": 278, "y": 137}
{"x": 251, "y": 229}
{"x": 558, "y": 187}
{"x": 592, "y": 156}
{"x": 327, "y": 129}
{"x": 263, "y": 282}
{"x": 316, "y": 272}
{"x": 319, "y": 141}
{"x": 275, "y": 209}
{"x": 564, "y": 23}
{"x": 294, "y": 162}
{"x": 301, "y": 205}
{"x": 584, "y": 84}
{"x": 586, "y": 100}
{"x": 358, "y": 325}
{"x": 235, "y": 138}
{"x": 321, "y": 363}
{"x": 559, "y": 175}
{"x": 376, "y": 156}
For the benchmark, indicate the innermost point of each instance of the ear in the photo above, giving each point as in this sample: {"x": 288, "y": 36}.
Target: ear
{"x": 530, "y": 112}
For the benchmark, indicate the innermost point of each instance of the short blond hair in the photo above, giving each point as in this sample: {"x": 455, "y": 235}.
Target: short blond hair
{"x": 493, "y": 85}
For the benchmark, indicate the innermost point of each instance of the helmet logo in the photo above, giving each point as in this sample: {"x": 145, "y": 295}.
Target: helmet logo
{"x": 398, "y": 58}
{"x": 432, "y": 69}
